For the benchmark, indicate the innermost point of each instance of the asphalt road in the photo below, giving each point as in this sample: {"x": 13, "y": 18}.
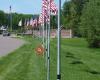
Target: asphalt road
{"x": 8, "y": 44}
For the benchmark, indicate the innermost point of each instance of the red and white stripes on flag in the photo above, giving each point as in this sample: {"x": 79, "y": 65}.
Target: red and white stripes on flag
{"x": 31, "y": 22}
{"x": 46, "y": 6}
{"x": 53, "y": 7}
{"x": 34, "y": 23}
{"x": 41, "y": 19}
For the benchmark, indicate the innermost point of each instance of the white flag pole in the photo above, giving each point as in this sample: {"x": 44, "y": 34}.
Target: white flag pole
{"x": 10, "y": 18}
{"x": 46, "y": 43}
{"x": 48, "y": 66}
{"x": 59, "y": 43}
{"x": 43, "y": 37}
{"x": 43, "y": 32}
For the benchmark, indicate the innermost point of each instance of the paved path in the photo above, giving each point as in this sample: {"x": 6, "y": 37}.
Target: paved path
{"x": 8, "y": 45}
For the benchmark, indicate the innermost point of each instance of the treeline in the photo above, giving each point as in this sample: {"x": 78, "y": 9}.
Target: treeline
{"x": 5, "y": 19}
{"x": 83, "y": 17}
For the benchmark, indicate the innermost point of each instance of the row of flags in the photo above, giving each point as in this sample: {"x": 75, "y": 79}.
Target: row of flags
{"x": 44, "y": 16}
{"x": 33, "y": 22}
{"x": 29, "y": 22}
{"x": 46, "y": 7}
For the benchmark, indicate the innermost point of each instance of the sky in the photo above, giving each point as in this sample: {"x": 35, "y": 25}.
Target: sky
{"x": 23, "y": 6}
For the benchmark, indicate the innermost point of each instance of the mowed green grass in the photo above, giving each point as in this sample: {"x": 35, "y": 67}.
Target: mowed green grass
{"x": 78, "y": 62}
{"x": 23, "y": 64}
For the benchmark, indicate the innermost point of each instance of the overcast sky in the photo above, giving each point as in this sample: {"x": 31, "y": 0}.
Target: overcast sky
{"x": 23, "y": 6}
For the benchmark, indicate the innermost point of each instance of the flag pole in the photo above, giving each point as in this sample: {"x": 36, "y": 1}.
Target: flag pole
{"x": 43, "y": 34}
{"x": 59, "y": 43}
{"x": 48, "y": 62}
{"x": 43, "y": 26}
{"x": 43, "y": 37}
{"x": 46, "y": 43}
{"x": 10, "y": 18}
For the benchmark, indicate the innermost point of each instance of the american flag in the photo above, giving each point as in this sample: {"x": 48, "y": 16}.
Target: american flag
{"x": 20, "y": 23}
{"x": 31, "y": 21}
{"x": 53, "y": 7}
{"x": 28, "y": 23}
{"x": 25, "y": 22}
{"x": 46, "y": 6}
{"x": 41, "y": 19}
{"x": 35, "y": 23}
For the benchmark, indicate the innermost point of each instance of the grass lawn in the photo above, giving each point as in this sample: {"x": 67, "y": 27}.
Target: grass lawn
{"x": 78, "y": 62}
{"x": 23, "y": 64}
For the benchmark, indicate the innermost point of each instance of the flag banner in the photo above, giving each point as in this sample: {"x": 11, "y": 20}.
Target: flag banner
{"x": 31, "y": 22}
{"x": 28, "y": 23}
{"x": 40, "y": 21}
{"x": 35, "y": 22}
{"x": 20, "y": 23}
{"x": 25, "y": 22}
{"x": 45, "y": 10}
{"x": 53, "y": 7}
{"x": 46, "y": 6}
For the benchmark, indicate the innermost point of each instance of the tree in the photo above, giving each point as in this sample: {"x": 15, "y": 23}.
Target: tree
{"x": 17, "y": 17}
{"x": 3, "y": 18}
{"x": 90, "y": 23}
{"x": 53, "y": 21}
{"x": 72, "y": 11}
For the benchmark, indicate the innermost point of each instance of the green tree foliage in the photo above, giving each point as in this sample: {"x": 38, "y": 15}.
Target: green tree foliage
{"x": 17, "y": 17}
{"x": 3, "y": 18}
{"x": 71, "y": 13}
{"x": 90, "y": 23}
{"x": 53, "y": 21}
